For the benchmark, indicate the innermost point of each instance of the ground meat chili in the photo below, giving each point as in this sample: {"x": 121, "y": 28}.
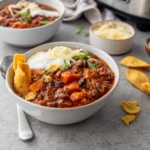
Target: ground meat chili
{"x": 83, "y": 82}
{"x": 13, "y": 17}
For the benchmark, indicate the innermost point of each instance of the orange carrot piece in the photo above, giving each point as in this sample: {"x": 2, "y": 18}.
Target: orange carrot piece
{"x": 25, "y": 25}
{"x": 42, "y": 102}
{"x": 87, "y": 73}
{"x": 77, "y": 96}
{"x": 69, "y": 76}
{"x": 16, "y": 24}
{"x": 20, "y": 25}
{"x": 35, "y": 87}
{"x": 51, "y": 19}
{"x": 73, "y": 87}
{"x": 6, "y": 8}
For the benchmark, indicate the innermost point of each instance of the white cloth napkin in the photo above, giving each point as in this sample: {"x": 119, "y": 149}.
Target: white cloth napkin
{"x": 75, "y": 8}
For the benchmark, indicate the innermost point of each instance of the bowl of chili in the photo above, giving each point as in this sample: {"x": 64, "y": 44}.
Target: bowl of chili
{"x": 29, "y": 23}
{"x": 66, "y": 89}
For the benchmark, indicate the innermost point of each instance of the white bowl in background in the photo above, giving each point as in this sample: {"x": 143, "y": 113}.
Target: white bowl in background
{"x": 61, "y": 116}
{"x": 108, "y": 44}
{"x": 32, "y": 36}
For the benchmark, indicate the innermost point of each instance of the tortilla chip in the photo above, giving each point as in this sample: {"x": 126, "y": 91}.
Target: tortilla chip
{"x": 21, "y": 82}
{"x": 134, "y": 62}
{"x": 18, "y": 58}
{"x": 133, "y": 102}
{"x": 130, "y": 108}
{"x": 137, "y": 78}
{"x": 128, "y": 119}
{"x": 25, "y": 67}
{"x": 145, "y": 87}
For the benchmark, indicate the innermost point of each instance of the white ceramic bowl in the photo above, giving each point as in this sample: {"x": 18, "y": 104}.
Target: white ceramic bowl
{"x": 61, "y": 116}
{"x": 32, "y": 36}
{"x": 110, "y": 45}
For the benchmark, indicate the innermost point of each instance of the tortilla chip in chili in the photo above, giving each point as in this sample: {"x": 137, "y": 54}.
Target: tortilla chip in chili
{"x": 18, "y": 58}
{"x": 21, "y": 82}
{"x": 25, "y": 67}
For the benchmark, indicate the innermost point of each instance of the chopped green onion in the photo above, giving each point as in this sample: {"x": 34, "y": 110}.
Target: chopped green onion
{"x": 47, "y": 72}
{"x": 26, "y": 16}
{"x": 91, "y": 66}
{"x": 79, "y": 29}
{"x": 66, "y": 64}
{"x": 90, "y": 53}
{"x": 80, "y": 56}
{"x": 44, "y": 22}
{"x": 86, "y": 34}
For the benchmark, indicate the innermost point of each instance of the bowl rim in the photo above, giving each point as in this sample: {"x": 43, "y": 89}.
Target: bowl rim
{"x": 40, "y": 27}
{"x": 131, "y": 28}
{"x": 117, "y": 74}
{"x": 147, "y": 47}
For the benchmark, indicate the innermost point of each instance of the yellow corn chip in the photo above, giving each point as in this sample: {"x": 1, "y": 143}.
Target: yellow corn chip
{"x": 128, "y": 119}
{"x": 18, "y": 58}
{"x": 21, "y": 82}
{"x": 134, "y": 62}
{"x": 136, "y": 77}
{"x": 133, "y": 102}
{"x": 130, "y": 108}
{"x": 145, "y": 87}
{"x": 25, "y": 67}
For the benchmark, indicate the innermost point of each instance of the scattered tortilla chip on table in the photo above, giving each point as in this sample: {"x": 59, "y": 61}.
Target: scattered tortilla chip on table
{"x": 137, "y": 78}
{"x": 134, "y": 62}
{"x": 145, "y": 87}
{"x": 130, "y": 108}
{"x": 128, "y": 119}
{"x": 133, "y": 102}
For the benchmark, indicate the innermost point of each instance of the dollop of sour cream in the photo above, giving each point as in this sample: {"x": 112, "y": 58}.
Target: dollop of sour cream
{"x": 25, "y": 6}
{"x": 55, "y": 56}
{"x": 42, "y": 60}
{"x": 45, "y": 13}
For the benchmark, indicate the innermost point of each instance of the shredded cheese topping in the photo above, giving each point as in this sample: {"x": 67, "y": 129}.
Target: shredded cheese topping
{"x": 53, "y": 58}
{"x": 63, "y": 52}
{"x": 112, "y": 31}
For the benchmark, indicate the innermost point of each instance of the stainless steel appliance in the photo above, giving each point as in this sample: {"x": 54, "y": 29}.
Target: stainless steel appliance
{"x": 136, "y": 10}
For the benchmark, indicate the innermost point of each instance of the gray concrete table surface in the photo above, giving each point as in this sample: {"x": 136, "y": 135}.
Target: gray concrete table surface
{"x": 102, "y": 131}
